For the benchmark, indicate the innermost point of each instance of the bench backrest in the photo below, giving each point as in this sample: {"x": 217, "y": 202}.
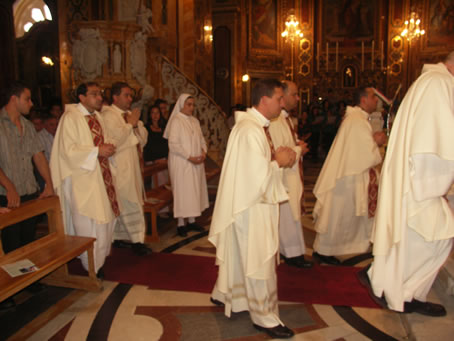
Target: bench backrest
{"x": 50, "y": 206}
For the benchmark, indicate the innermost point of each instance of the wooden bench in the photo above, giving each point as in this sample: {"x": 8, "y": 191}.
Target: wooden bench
{"x": 162, "y": 195}
{"x": 50, "y": 253}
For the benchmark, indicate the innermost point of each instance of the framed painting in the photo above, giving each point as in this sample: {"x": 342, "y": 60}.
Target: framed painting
{"x": 263, "y": 27}
{"x": 349, "y": 20}
{"x": 439, "y": 23}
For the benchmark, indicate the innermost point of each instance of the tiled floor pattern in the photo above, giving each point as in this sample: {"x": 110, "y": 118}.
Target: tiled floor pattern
{"x": 133, "y": 312}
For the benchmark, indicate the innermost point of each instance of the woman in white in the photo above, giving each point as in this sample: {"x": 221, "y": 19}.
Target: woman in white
{"x": 187, "y": 153}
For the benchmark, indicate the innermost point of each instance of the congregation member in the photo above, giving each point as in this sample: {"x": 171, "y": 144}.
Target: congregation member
{"x": 128, "y": 134}
{"x": 82, "y": 173}
{"x": 164, "y": 107}
{"x": 157, "y": 147}
{"x": 244, "y": 227}
{"x": 47, "y": 134}
{"x": 283, "y": 133}
{"x": 346, "y": 189}
{"x": 56, "y": 110}
{"x": 187, "y": 153}
{"x": 20, "y": 148}
{"x": 414, "y": 225}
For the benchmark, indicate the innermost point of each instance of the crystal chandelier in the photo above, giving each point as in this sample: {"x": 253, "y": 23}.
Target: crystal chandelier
{"x": 292, "y": 28}
{"x": 412, "y": 29}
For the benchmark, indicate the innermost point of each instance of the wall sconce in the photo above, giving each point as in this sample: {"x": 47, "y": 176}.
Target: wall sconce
{"x": 208, "y": 31}
{"x": 245, "y": 78}
{"x": 47, "y": 61}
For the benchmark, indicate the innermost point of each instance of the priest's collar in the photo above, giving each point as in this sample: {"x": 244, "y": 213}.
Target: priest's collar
{"x": 262, "y": 119}
{"x": 84, "y": 110}
{"x": 114, "y": 107}
{"x": 285, "y": 113}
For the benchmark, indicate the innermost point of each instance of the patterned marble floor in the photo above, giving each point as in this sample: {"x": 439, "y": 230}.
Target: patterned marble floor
{"x": 134, "y": 312}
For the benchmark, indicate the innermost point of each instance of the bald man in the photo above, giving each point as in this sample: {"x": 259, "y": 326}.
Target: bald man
{"x": 283, "y": 133}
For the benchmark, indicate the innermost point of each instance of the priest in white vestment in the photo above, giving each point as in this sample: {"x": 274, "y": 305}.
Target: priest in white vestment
{"x": 347, "y": 185}
{"x": 414, "y": 225}
{"x": 129, "y": 135}
{"x": 283, "y": 133}
{"x": 187, "y": 153}
{"x": 82, "y": 174}
{"x": 245, "y": 221}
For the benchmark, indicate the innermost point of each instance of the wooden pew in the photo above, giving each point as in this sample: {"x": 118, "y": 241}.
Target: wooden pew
{"x": 50, "y": 253}
{"x": 163, "y": 195}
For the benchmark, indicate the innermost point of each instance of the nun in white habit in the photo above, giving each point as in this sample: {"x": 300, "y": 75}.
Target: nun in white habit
{"x": 187, "y": 153}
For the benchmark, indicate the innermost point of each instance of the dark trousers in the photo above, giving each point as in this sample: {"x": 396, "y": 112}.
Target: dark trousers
{"x": 17, "y": 235}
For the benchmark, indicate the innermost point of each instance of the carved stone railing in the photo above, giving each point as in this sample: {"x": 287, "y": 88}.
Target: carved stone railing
{"x": 212, "y": 118}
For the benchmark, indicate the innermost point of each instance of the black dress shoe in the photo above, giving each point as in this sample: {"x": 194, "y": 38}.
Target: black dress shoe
{"x": 325, "y": 259}
{"x": 7, "y": 304}
{"x": 141, "y": 249}
{"x": 100, "y": 274}
{"x": 217, "y": 302}
{"x": 195, "y": 227}
{"x": 424, "y": 308}
{"x": 298, "y": 262}
{"x": 121, "y": 244}
{"x": 365, "y": 281}
{"x": 278, "y": 332}
{"x": 182, "y": 232}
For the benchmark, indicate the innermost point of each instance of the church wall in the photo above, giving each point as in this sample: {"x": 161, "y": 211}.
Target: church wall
{"x": 363, "y": 40}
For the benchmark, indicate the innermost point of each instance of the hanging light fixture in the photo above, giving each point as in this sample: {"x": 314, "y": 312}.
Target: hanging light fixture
{"x": 292, "y": 28}
{"x": 412, "y": 29}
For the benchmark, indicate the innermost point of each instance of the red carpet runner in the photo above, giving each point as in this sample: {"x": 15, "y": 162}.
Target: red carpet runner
{"x": 319, "y": 285}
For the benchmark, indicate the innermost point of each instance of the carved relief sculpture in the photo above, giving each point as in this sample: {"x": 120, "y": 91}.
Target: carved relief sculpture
{"x": 138, "y": 57}
{"x": 143, "y": 19}
{"x": 89, "y": 53}
{"x": 117, "y": 59}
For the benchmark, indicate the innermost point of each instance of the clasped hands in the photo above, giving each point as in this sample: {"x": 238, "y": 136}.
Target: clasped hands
{"x": 106, "y": 149}
{"x": 133, "y": 117}
{"x": 285, "y": 157}
{"x": 196, "y": 160}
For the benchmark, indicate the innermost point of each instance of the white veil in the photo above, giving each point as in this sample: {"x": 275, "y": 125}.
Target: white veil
{"x": 178, "y": 106}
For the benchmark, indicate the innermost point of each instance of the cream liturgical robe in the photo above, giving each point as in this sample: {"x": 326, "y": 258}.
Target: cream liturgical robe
{"x": 414, "y": 224}
{"x": 341, "y": 210}
{"x": 244, "y": 227}
{"x": 77, "y": 178}
{"x": 189, "y": 186}
{"x": 291, "y": 240}
{"x": 129, "y": 182}
{"x": 282, "y": 136}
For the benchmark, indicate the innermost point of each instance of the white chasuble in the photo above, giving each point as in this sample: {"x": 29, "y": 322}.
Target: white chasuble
{"x": 414, "y": 223}
{"x": 341, "y": 209}
{"x": 129, "y": 182}
{"x": 244, "y": 227}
